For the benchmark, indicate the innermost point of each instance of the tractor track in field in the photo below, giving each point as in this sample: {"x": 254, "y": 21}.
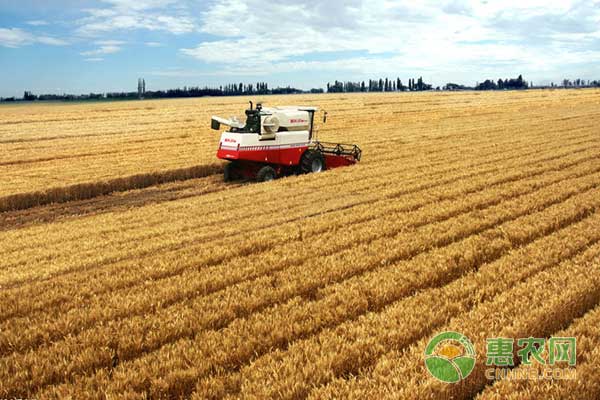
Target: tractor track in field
{"x": 84, "y": 191}
{"x": 113, "y": 202}
{"x": 84, "y": 186}
{"x": 20, "y": 213}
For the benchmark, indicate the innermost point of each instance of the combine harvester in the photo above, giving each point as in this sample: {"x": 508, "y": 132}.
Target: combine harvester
{"x": 276, "y": 142}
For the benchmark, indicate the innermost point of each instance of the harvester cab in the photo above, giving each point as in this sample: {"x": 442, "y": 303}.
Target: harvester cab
{"x": 277, "y": 141}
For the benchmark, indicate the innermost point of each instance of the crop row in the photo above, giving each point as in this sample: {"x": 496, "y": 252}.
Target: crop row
{"x": 116, "y": 202}
{"x": 587, "y": 382}
{"x": 536, "y": 307}
{"x": 184, "y": 151}
{"x": 193, "y": 281}
{"x": 92, "y": 253}
{"x": 279, "y": 326}
{"x": 356, "y": 345}
{"x": 416, "y": 170}
{"x": 208, "y": 311}
{"x": 103, "y": 281}
{"x": 83, "y": 191}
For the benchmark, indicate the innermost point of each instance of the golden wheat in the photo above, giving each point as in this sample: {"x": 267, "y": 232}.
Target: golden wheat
{"x": 153, "y": 278}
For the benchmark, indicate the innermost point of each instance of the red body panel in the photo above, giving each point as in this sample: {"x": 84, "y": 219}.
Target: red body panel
{"x": 284, "y": 159}
{"x": 264, "y": 154}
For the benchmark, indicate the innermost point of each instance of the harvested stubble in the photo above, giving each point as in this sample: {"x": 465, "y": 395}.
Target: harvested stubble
{"x": 205, "y": 294}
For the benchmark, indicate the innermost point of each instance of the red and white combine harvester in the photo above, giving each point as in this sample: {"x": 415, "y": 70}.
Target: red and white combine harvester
{"x": 278, "y": 141}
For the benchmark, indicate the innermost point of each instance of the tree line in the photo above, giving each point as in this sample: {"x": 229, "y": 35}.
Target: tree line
{"x": 233, "y": 89}
{"x": 513, "y": 84}
{"x": 378, "y": 85}
{"x": 262, "y": 88}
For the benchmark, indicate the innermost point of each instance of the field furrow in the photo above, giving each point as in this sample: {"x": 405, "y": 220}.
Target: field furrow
{"x": 305, "y": 281}
{"x": 100, "y": 257}
{"x": 355, "y": 346}
{"x": 576, "y": 289}
{"x": 194, "y": 281}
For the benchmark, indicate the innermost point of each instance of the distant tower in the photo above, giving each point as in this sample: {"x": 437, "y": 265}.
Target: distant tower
{"x": 141, "y": 88}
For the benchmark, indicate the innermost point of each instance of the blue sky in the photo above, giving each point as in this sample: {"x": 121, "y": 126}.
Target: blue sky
{"x": 80, "y": 46}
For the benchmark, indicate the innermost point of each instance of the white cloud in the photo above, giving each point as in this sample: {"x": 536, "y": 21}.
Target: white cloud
{"x": 94, "y": 59}
{"x": 139, "y": 4}
{"x": 37, "y": 23}
{"x": 51, "y": 41}
{"x": 109, "y": 42}
{"x": 105, "y": 47}
{"x": 125, "y": 15}
{"x": 15, "y": 37}
{"x": 380, "y": 36}
{"x": 153, "y": 44}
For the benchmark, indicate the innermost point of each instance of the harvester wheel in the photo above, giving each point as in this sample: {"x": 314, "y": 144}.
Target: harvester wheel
{"x": 266, "y": 173}
{"x": 312, "y": 161}
{"x": 230, "y": 172}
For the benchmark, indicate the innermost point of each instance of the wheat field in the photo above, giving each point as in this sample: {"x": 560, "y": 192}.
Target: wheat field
{"x": 130, "y": 270}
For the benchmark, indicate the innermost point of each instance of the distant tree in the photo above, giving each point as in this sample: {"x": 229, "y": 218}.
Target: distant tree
{"x": 520, "y": 81}
{"x": 28, "y": 96}
{"x": 455, "y": 86}
{"x": 487, "y": 85}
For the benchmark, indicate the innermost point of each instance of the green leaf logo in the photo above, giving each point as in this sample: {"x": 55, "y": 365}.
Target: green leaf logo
{"x": 450, "y": 357}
